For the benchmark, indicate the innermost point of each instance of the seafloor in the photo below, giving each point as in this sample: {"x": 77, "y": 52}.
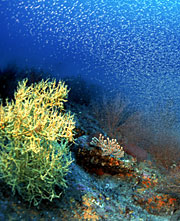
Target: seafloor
{"x": 95, "y": 193}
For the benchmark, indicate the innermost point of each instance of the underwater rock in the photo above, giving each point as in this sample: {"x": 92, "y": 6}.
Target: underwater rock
{"x": 93, "y": 161}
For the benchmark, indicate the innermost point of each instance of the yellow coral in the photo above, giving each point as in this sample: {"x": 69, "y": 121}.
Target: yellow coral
{"x": 31, "y": 160}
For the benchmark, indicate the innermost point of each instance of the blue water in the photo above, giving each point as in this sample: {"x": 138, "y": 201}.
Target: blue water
{"x": 131, "y": 46}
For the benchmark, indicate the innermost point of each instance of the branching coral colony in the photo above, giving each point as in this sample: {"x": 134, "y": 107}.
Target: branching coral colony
{"x": 31, "y": 160}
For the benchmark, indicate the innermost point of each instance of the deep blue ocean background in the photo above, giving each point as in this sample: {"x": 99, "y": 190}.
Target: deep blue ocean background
{"x": 127, "y": 46}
